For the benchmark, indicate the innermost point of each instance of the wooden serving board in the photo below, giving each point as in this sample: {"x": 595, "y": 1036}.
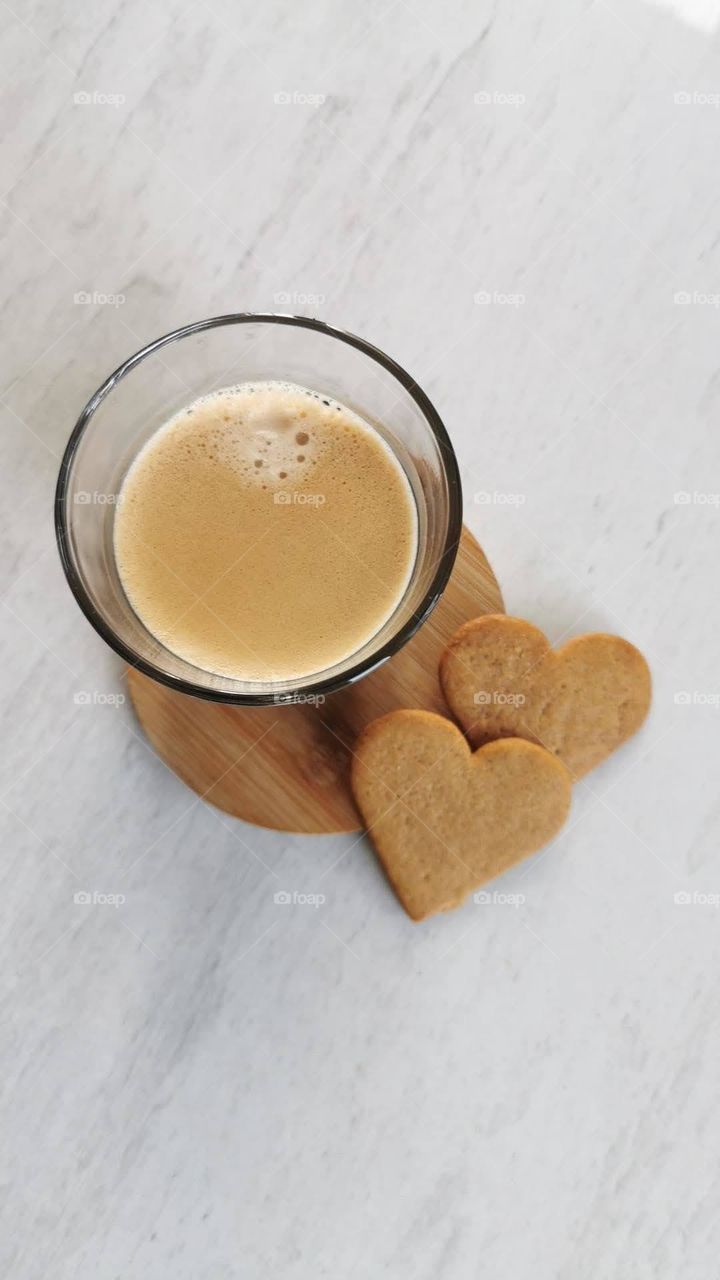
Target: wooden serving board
{"x": 287, "y": 767}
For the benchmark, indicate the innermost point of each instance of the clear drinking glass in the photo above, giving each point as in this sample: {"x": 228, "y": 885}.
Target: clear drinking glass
{"x": 181, "y": 366}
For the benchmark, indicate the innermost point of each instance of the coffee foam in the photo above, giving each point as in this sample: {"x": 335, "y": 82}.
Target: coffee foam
{"x": 265, "y": 532}
{"x": 260, "y": 428}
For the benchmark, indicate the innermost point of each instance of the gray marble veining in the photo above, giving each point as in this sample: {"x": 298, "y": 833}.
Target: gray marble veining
{"x": 521, "y": 205}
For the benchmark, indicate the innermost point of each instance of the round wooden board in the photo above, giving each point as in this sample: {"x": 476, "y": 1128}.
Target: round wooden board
{"x": 287, "y": 767}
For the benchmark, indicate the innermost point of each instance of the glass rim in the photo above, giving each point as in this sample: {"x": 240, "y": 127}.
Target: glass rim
{"x": 312, "y": 686}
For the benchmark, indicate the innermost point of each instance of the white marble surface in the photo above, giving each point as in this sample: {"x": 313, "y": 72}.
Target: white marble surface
{"x": 198, "y": 1083}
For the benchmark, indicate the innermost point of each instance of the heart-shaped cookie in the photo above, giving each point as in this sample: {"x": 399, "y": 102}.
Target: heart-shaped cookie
{"x": 443, "y": 819}
{"x": 501, "y": 679}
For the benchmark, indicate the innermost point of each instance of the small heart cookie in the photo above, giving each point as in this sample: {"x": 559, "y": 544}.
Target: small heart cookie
{"x": 443, "y": 819}
{"x": 501, "y": 679}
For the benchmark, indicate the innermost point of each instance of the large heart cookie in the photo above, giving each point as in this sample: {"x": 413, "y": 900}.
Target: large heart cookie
{"x": 501, "y": 679}
{"x": 443, "y": 819}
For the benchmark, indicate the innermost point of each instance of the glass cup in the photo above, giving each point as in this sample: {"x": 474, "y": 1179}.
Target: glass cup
{"x": 176, "y": 369}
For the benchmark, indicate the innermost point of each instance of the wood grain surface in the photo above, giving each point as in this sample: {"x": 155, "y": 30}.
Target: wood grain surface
{"x": 286, "y": 767}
